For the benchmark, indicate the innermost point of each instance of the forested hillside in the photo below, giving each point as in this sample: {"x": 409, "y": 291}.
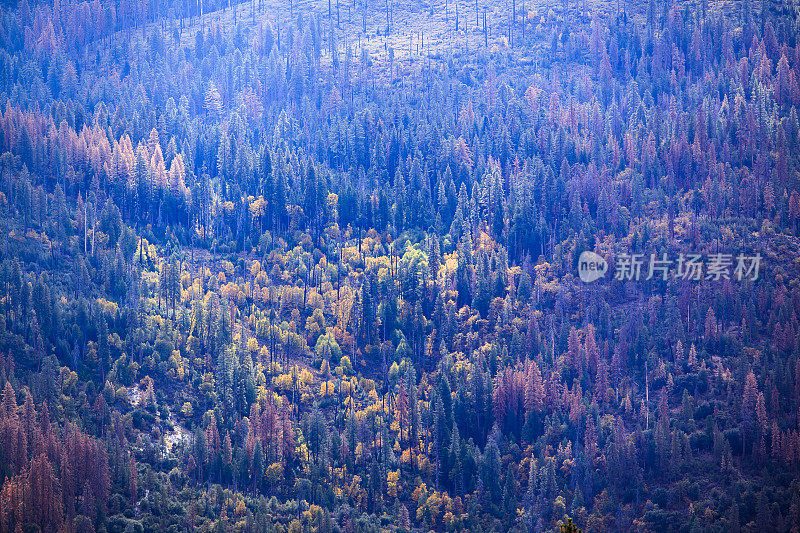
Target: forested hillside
{"x": 315, "y": 267}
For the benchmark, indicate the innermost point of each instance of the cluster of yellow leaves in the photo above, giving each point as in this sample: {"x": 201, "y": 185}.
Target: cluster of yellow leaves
{"x": 230, "y": 291}
{"x": 359, "y": 452}
{"x": 424, "y": 465}
{"x": 240, "y": 510}
{"x": 145, "y": 250}
{"x": 303, "y": 378}
{"x": 109, "y": 308}
{"x": 312, "y": 518}
{"x": 392, "y": 483}
{"x": 381, "y": 263}
{"x": 283, "y": 381}
{"x": 406, "y": 457}
{"x": 436, "y": 505}
{"x": 358, "y": 496}
{"x": 350, "y": 254}
{"x": 252, "y": 345}
{"x": 348, "y": 387}
{"x": 327, "y": 388}
{"x": 178, "y": 365}
{"x": 274, "y": 473}
{"x": 206, "y": 387}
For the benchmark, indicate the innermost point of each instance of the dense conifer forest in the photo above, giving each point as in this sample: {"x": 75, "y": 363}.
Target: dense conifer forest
{"x": 316, "y": 266}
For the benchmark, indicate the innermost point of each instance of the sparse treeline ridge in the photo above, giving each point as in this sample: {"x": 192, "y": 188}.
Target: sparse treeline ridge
{"x": 243, "y": 287}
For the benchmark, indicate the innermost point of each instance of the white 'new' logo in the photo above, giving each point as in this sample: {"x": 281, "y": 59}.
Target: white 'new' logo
{"x": 591, "y": 266}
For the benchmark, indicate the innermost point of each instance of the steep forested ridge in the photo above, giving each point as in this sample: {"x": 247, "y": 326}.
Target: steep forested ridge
{"x": 267, "y": 268}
